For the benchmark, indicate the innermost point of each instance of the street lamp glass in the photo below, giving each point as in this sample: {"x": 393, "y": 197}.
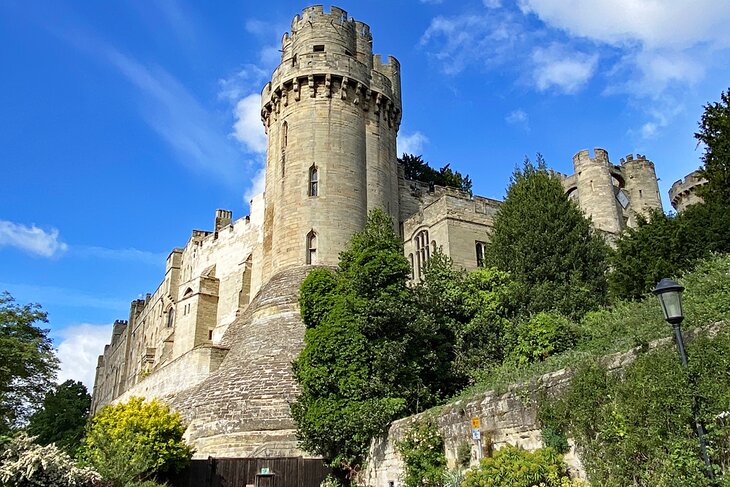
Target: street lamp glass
{"x": 669, "y": 293}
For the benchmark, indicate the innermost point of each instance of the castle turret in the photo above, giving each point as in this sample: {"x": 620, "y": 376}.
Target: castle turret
{"x": 683, "y": 193}
{"x": 641, "y": 187}
{"x": 597, "y": 191}
{"x": 331, "y": 113}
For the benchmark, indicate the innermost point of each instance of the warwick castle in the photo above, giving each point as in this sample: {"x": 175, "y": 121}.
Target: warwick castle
{"x": 216, "y": 339}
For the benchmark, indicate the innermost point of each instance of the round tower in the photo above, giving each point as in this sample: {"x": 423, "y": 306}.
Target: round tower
{"x": 596, "y": 193}
{"x": 641, "y": 186}
{"x": 331, "y": 113}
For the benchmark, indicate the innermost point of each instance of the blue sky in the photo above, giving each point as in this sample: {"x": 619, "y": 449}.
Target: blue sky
{"x": 124, "y": 125}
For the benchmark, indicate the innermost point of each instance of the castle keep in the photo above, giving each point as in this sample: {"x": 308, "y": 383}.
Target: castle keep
{"x": 217, "y": 337}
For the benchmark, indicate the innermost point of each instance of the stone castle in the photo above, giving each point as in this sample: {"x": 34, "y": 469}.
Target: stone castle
{"x": 217, "y": 337}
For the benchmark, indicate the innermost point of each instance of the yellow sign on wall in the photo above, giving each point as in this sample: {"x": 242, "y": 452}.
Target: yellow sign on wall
{"x": 475, "y": 423}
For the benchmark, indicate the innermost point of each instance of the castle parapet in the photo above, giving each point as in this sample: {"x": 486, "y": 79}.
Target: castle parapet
{"x": 683, "y": 192}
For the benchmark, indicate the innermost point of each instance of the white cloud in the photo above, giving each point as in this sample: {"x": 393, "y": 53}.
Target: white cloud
{"x": 78, "y": 349}
{"x": 566, "y": 71}
{"x": 250, "y": 78}
{"x": 655, "y": 24}
{"x": 519, "y": 118}
{"x": 411, "y": 144}
{"x": 248, "y": 128}
{"x": 31, "y": 239}
{"x": 257, "y": 185}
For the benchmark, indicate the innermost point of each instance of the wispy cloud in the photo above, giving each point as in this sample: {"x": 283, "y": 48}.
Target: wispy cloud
{"x": 518, "y": 118}
{"x": 31, "y": 239}
{"x": 59, "y": 296}
{"x": 179, "y": 118}
{"x": 78, "y": 349}
{"x": 563, "y": 69}
{"x": 411, "y": 143}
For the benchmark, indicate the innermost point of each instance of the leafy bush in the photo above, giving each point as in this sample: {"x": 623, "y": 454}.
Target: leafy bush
{"x": 637, "y": 429}
{"x": 25, "y": 464}
{"x": 315, "y": 297}
{"x": 514, "y": 467}
{"x": 463, "y": 454}
{"x": 422, "y": 451}
{"x": 543, "y": 335}
{"x": 132, "y": 441}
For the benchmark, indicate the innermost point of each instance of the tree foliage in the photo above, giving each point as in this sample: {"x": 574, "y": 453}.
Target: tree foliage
{"x": 370, "y": 356}
{"x": 62, "y": 417}
{"x": 28, "y": 365}
{"x": 546, "y": 244}
{"x": 472, "y": 312}
{"x": 132, "y": 441}
{"x": 417, "y": 169}
{"x": 714, "y": 133}
{"x": 662, "y": 246}
{"x": 27, "y": 464}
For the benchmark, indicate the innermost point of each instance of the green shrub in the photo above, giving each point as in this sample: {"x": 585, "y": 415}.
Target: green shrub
{"x": 514, "y": 467}
{"x": 133, "y": 441}
{"x": 543, "y": 335}
{"x": 463, "y": 454}
{"x": 422, "y": 451}
{"x": 315, "y": 297}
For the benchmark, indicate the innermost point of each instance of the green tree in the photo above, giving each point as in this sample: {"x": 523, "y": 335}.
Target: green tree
{"x": 417, "y": 169}
{"x": 369, "y": 354}
{"x": 663, "y": 245}
{"x": 131, "y": 442}
{"x": 471, "y": 312}
{"x": 546, "y": 244}
{"x": 714, "y": 132}
{"x": 28, "y": 365}
{"x": 63, "y": 416}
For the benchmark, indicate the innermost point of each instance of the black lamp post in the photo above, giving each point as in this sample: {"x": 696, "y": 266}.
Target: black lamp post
{"x": 669, "y": 293}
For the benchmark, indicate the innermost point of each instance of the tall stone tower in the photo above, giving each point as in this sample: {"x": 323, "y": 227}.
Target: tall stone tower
{"x": 331, "y": 113}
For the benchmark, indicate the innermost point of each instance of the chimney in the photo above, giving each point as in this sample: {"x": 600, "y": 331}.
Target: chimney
{"x": 223, "y": 218}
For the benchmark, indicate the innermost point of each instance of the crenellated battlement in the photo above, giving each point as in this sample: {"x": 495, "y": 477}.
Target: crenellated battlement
{"x": 583, "y": 157}
{"x": 683, "y": 192}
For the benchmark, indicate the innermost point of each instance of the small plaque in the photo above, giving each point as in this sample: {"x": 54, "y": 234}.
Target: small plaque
{"x": 475, "y": 423}
{"x": 476, "y": 434}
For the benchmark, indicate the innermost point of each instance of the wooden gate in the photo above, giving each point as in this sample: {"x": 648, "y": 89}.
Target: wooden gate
{"x": 240, "y": 472}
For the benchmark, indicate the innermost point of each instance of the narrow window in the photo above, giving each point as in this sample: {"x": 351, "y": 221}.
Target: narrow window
{"x": 311, "y": 248}
{"x": 313, "y": 181}
{"x": 284, "y": 135}
{"x": 319, "y": 48}
{"x": 480, "y": 247}
{"x": 170, "y": 317}
{"x": 413, "y": 270}
{"x": 423, "y": 252}
{"x": 210, "y": 334}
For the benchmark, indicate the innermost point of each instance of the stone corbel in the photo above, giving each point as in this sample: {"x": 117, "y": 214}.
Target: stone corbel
{"x": 328, "y": 85}
{"x": 312, "y": 90}
{"x": 343, "y": 88}
{"x": 285, "y": 96}
{"x": 366, "y": 101}
{"x": 378, "y": 102}
{"x": 295, "y": 88}
{"x": 356, "y": 100}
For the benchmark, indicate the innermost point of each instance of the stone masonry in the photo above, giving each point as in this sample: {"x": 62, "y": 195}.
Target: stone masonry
{"x": 217, "y": 337}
